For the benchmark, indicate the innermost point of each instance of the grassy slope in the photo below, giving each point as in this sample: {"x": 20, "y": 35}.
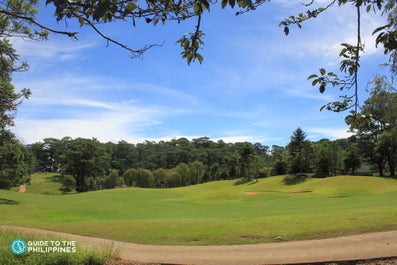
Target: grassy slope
{"x": 216, "y": 212}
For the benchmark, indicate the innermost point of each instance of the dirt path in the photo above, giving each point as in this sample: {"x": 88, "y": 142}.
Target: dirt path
{"x": 365, "y": 246}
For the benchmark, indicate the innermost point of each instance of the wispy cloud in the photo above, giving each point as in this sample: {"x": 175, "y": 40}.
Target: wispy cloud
{"x": 84, "y": 106}
{"x": 55, "y": 49}
{"x": 117, "y": 121}
{"x": 333, "y": 133}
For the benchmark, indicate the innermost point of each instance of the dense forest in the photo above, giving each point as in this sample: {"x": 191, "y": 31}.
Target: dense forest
{"x": 87, "y": 164}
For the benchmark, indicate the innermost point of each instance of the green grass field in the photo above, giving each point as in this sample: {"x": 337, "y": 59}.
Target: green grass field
{"x": 213, "y": 213}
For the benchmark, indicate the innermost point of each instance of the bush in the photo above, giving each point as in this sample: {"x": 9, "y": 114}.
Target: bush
{"x": 264, "y": 172}
{"x": 68, "y": 183}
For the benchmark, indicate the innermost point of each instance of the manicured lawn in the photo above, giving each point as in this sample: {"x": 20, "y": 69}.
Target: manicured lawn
{"x": 217, "y": 212}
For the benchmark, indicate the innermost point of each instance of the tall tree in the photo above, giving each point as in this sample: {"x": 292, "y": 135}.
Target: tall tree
{"x": 352, "y": 159}
{"x": 197, "y": 171}
{"x": 12, "y": 165}
{"x": 299, "y": 152}
{"x": 84, "y": 158}
{"x": 12, "y": 161}
{"x": 377, "y": 122}
{"x": 9, "y": 98}
{"x": 279, "y": 156}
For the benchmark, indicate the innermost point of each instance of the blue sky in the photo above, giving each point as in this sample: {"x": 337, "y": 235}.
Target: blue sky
{"x": 252, "y": 85}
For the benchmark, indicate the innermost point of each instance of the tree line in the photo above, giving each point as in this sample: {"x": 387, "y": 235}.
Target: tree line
{"x": 87, "y": 164}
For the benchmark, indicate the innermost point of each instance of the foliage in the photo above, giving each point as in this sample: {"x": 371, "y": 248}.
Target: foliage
{"x": 299, "y": 152}
{"x": 181, "y": 162}
{"x": 84, "y": 158}
{"x": 376, "y": 124}
{"x": 352, "y": 159}
{"x": 12, "y": 165}
{"x": 9, "y": 99}
{"x": 68, "y": 183}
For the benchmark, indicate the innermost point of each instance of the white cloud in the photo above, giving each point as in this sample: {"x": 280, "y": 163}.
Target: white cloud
{"x": 55, "y": 49}
{"x": 333, "y": 133}
{"x": 116, "y": 122}
{"x": 89, "y": 106}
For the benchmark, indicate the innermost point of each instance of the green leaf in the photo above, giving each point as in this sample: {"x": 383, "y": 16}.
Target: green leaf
{"x": 99, "y": 11}
{"x": 322, "y": 71}
{"x": 205, "y": 5}
{"x": 130, "y": 7}
{"x": 189, "y": 59}
{"x": 311, "y": 76}
{"x": 322, "y": 87}
{"x": 224, "y": 3}
{"x": 199, "y": 58}
{"x": 232, "y": 3}
{"x": 81, "y": 21}
{"x": 197, "y": 9}
{"x": 286, "y": 31}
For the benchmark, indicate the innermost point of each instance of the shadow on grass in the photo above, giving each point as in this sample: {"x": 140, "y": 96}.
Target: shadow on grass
{"x": 245, "y": 181}
{"x": 7, "y": 202}
{"x": 53, "y": 178}
{"x": 294, "y": 179}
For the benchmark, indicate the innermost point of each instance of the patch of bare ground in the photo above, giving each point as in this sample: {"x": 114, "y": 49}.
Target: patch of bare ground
{"x": 125, "y": 262}
{"x": 253, "y": 192}
{"x": 381, "y": 261}
{"x": 276, "y": 191}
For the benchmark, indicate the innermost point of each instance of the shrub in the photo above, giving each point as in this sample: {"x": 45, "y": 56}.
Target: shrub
{"x": 68, "y": 183}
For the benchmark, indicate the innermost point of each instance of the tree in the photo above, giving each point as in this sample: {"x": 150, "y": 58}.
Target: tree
{"x": 197, "y": 171}
{"x": 84, "y": 158}
{"x": 9, "y": 99}
{"x": 299, "y": 152}
{"x": 246, "y": 157}
{"x": 352, "y": 159}
{"x": 123, "y": 156}
{"x": 144, "y": 178}
{"x": 324, "y": 159}
{"x": 130, "y": 176}
{"x": 386, "y": 147}
{"x": 376, "y": 124}
{"x": 279, "y": 155}
{"x": 113, "y": 180}
{"x": 183, "y": 171}
{"x": 12, "y": 166}
{"x": 160, "y": 176}
{"x": 140, "y": 177}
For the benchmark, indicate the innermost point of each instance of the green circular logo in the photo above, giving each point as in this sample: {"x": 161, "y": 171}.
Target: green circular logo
{"x": 18, "y": 246}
